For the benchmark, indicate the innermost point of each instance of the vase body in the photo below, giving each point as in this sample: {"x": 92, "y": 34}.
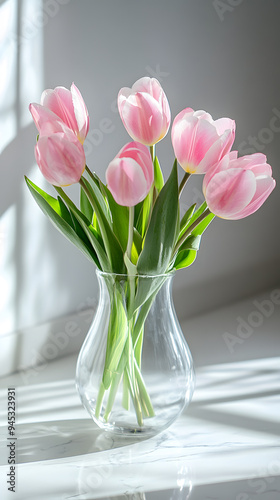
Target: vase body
{"x": 135, "y": 371}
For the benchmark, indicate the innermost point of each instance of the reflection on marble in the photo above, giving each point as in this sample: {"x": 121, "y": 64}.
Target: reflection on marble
{"x": 261, "y": 488}
{"x": 229, "y": 433}
{"x": 225, "y": 446}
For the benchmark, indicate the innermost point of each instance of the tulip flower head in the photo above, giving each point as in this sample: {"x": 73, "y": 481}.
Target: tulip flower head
{"x": 60, "y": 157}
{"x": 145, "y": 111}
{"x": 130, "y": 175}
{"x": 199, "y": 141}
{"x": 65, "y": 105}
{"x": 237, "y": 187}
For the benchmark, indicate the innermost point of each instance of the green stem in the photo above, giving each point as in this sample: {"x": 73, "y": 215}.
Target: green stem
{"x": 90, "y": 173}
{"x": 129, "y": 368}
{"x": 138, "y": 347}
{"x": 130, "y": 232}
{"x": 144, "y": 311}
{"x": 144, "y": 394}
{"x": 153, "y": 151}
{"x": 125, "y": 399}
{"x": 132, "y": 381}
{"x": 99, "y": 400}
{"x": 135, "y": 401}
{"x": 190, "y": 229}
{"x": 184, "y": 182}
{"x": 114, "y": 388}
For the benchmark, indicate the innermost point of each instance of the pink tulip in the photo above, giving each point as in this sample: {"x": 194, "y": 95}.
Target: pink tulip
{"x": 237, "y": 187}
{"x": 46, "y": 121}
{"x": 145, "y": 111}
{"x": 199, "y": 141}
{"x": 65, "y": 105}
{"x": 130, "y": 175}
{"x": 60, "y": 157}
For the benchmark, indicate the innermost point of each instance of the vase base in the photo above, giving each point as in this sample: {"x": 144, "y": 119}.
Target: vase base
{"x": 130, "y": 432}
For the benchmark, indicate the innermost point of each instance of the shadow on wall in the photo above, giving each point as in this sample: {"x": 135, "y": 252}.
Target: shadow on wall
{"x": 28, "y": 263}
{"x": 242, "y": 284}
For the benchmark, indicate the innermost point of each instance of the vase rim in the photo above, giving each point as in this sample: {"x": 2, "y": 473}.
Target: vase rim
{"x": 125, "y": 275}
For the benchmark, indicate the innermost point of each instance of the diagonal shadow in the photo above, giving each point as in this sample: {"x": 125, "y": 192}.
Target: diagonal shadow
{"x": 239, "y": 421}
{"x": 236, "y": 397}
{"x": 42, "y": 441}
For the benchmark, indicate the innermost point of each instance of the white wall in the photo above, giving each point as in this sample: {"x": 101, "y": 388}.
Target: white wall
{"x": 224, "y": 62}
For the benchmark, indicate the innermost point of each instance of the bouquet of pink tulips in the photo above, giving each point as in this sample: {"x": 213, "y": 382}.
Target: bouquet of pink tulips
{"x": 132, "y": 223}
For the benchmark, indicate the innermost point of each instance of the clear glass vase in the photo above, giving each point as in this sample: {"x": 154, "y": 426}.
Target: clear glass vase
{"x": 135, "y": 371}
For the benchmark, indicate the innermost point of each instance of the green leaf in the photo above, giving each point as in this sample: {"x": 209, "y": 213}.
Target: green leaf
{"x": 92, "y": 234}
{"x": 85, "y": 205}
{"x": 58, "y": 214}
{"x": 158, "y": 177}
{"x": 162, "y": 231}
{"x": 111, "y": 243}
{"x": 137, "y": 211}
{"x": 65, "y": 214}
{"x": 144, "y": 214}
{"x": 191, "y": 243}
{"x": 98, "y": 185}
{"x": 73, "y": 221}
{"x": 200, "y": 228}
{"x": 146, "y": 287}
{"x": 188, "y": 250}
{"x": 185, "y": 220}
{"x": 120, "y": 216}
{"x": 136, "y": 248}
{"x": 198, "y": 213}
{"x": 132, "y": 270}
{"x": 137, "y": 240}
{"x": 185, "y": 259}
{"x": 95, "y": 223}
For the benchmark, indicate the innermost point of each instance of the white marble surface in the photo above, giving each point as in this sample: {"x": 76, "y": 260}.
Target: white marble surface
{"x": 226, "y": 445}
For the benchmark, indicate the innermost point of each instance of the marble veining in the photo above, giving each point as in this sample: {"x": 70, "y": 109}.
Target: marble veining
{"x": 225, "y": 446}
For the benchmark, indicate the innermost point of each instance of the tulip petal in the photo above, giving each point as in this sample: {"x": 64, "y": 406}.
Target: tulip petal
{"x": 184, "y": 114}
{"x": 152, "y": 87}
{"x": 230, "y": 191}
{"x": 233, "y": 155}
{"x": 217, "y": 150}
{"x": 45, "y": 120}
{"x": 199, "y": 142}
{"x": 255, "y": 162}
{"x": 59, "y": 101}
{"x": 191, "y": 139}
{"x": 223, "y": 124}
{"x": 142, "y": 118}
{"x": 141, "y": 155}
{"x": 126, "y": 181}
{"x": 203, "y": 115}
{"x": 81, "y": 112}
{"x": 123, "y": 95}
{"x": 221, "y": 165}
{"x": 265, "y": 186}
{"x": 145, "y": 111}
{"x": 149, "y": 85}
{"x": 203, "y": 137}
{"x": 61, "y": 162}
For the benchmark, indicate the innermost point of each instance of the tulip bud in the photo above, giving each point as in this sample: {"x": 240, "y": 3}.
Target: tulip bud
{"x": 145, "y": 111}
{"x": 237, "y": 187}
{"x": 130, "y": 175}
{"x": 61, "y": 158}
{"x": 198, "y": 141}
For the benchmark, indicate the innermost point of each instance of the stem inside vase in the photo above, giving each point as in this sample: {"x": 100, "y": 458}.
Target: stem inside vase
{"x": 124, "y": 351}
